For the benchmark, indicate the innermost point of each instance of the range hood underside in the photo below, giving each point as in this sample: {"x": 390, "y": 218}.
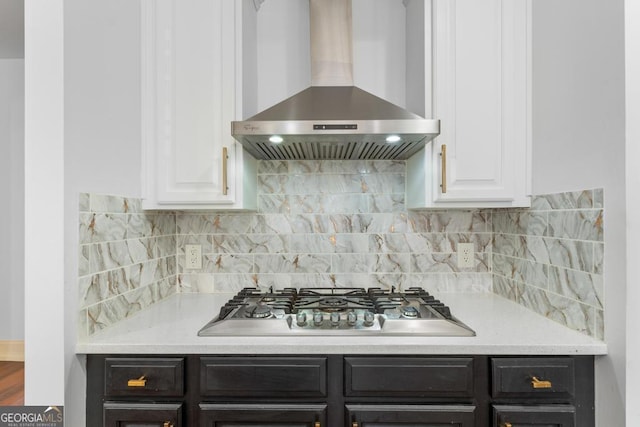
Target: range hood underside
{"x": 306, "y": 147}
{"x": 340, "y": 123}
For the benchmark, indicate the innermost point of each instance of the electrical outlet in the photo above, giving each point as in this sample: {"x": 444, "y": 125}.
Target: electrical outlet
{"x": 466, "y": 257}
{"x": 194, "y": 257}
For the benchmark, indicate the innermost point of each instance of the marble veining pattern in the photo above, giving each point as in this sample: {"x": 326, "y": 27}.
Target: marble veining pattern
{"x": 127, "y": 259}
{"x": 332, "y": 223}
{"x": 550, "y": 258}
{"x": 344, "y": 224}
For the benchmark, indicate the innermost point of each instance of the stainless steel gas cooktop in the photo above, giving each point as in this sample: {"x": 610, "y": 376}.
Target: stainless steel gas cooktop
{"x": 335, "y": 311}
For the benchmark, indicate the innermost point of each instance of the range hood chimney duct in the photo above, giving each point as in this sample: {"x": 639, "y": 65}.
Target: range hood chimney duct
{"x": 333, "y": 119}
{"x": 331, "y": 47}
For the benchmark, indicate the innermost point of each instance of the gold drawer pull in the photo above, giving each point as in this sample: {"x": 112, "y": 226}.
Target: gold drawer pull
{"x": 537, "y": 383}
{"x": 317, "y": 424}
{"x": 507, "y": 425}
{"x": 167, "y": 424}
{"x": 354, "y": 424}
{"x": 140, "y": 382}
{"x": 225, "y": 157}
{"x": 443, "y": 168}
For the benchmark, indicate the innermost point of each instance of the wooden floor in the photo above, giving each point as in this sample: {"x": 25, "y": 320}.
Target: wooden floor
{"x": 11, "y": 383}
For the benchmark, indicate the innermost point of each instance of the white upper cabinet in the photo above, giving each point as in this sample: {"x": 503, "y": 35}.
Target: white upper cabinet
{"x": 191, "y": 91}
{"x": 481, "y": 61}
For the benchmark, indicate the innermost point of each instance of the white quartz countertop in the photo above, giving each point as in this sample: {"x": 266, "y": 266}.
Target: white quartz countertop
{"x": 502, "y": 328}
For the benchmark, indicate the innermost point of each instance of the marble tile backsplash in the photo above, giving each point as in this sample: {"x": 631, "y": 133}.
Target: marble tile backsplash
{"x": 345, "y": 224}
{"x": 334, "y": 223}
{"x": 127, "y": 259}
{"x": 550, "y": 258}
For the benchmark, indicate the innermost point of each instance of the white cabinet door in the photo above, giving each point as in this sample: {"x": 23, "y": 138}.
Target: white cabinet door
{"x": 191, "y": 79}
{"x": 481, "y": 93}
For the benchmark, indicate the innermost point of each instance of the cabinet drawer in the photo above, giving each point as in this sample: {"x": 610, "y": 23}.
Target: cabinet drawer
{"x": 551, "y": 377}
{"x": 398, "y": 415}
{"x": 262, "y": 415}
{"x": 263, "y": 376}
{"x": 409, "y": 376}
{"x": 144, "y": 377}
{"x": 142, "y": 414}
{"x": 532, "y": 416}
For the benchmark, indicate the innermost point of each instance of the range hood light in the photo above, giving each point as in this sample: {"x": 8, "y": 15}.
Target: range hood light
{"x": 393, "y": 139}
{"x": 276, "y": 139}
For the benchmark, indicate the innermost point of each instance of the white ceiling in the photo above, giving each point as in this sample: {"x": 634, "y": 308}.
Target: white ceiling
{"x": 11, "y": 28}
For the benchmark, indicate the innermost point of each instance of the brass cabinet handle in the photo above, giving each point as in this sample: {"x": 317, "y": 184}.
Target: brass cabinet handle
{"x": 225, "y": 188}
{"x": 167, "y": 424}
{"x": 443, "y": 167}
{"x": 317, "y": 424}
{"x": 537, "y": 383}
{"x": 354, "y": 424}
{"x": 507, "y": 425}
{"x": 140, "y": 382}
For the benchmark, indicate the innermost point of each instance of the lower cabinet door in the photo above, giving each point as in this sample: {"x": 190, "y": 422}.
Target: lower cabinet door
{"x": 142, "y": 414}
{"x": 267, "y": 415}
{"x": 534, "y": 416}
{"x": 410, "y": 415}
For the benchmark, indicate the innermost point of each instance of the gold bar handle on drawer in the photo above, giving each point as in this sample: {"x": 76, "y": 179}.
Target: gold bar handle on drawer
{"x": 537, "y": 383}
{"x": 167, "y": 424}
{"x": 225, "y": 188}
{"x": 140, "y": 382}
{"x": 354, "y": 424}
{"x": 317, "y": 424}
{"x": 507, "y": 425}
{"x": 443, "y": 167}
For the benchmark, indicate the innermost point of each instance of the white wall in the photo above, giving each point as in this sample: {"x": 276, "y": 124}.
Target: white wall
{"x": 283, "y": 61}
{"x": 379, "y": 48}
{"x": 632, "y": 48}
{"x": 12, "y": 192}
{"x": 102, "y": 138}
{"x": 579, "y": 142}
{"x": 43, "y": 211}
{"x": 12, "y": 169}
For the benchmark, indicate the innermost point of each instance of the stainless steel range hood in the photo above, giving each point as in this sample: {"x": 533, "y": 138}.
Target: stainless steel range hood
{"x": 333, "y": 119}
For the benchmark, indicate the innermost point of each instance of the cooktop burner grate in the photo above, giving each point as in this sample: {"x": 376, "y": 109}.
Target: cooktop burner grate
{"x": 335, "y": 311}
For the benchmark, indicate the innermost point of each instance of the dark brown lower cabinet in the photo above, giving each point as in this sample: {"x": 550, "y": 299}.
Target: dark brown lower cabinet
{"x": 268, "y": 415}
{"x": 263, "y": 377}
{"x": 534, "y": 416}
{"x": 339, "y": 391}
{"x": 142, "y": 414}
{"x": 410, "y": 416}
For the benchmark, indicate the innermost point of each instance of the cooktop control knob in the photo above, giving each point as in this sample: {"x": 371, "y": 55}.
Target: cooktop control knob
{"x": 301, "y": 318}
{"x": 335, "y": 319}
{"x": 317, "y": 319}
{"x": 351, "y": 318}
{"x": 368, "y": 318}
